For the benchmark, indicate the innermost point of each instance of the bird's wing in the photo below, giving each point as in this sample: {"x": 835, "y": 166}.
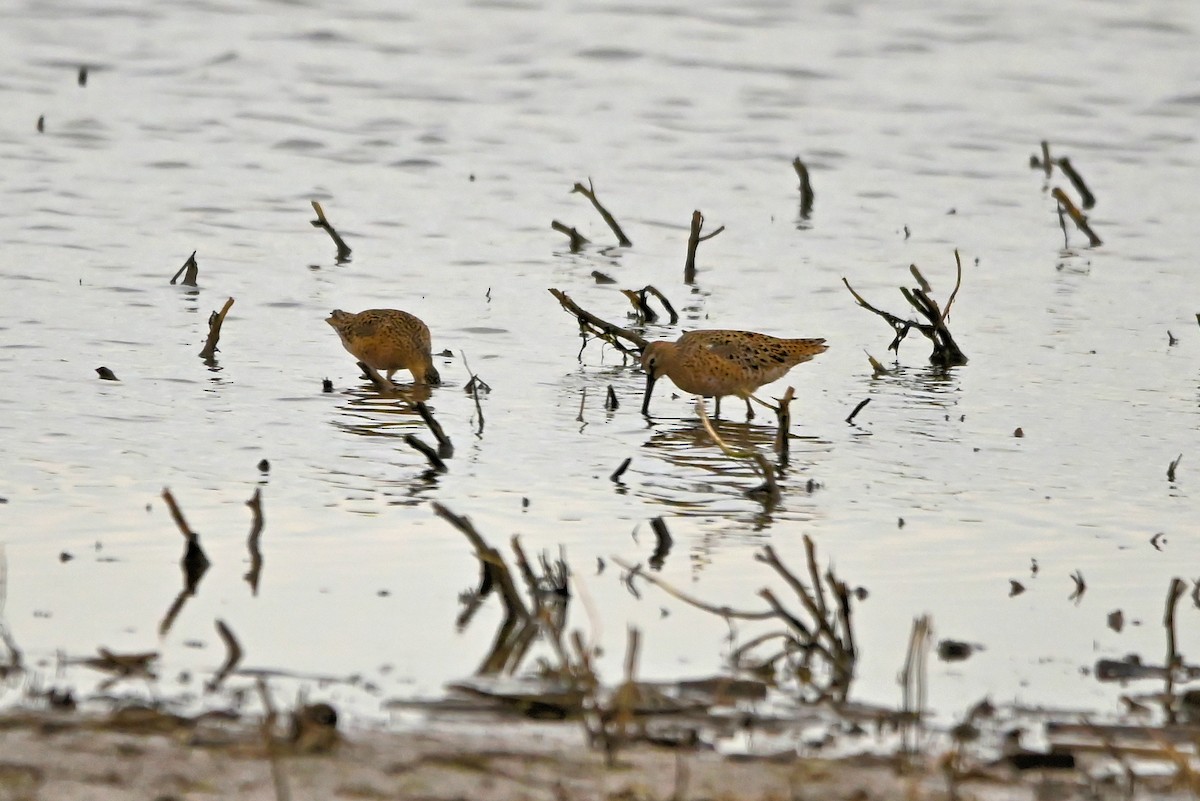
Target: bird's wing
{"x": 748, "y": 350}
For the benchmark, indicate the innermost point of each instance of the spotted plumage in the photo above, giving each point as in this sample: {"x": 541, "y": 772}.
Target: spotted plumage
{"x": 719, "y": 362}
{"x": 389, "y": 340}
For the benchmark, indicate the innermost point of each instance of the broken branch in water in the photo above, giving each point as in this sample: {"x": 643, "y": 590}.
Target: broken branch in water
{"x": 806, "y": 191}
{"x": 590, "y": 193}
{"x": 445, "y": 448}
{"x": 256, "y": 527}
{"x": 946, "y": 352}
{"x": 191, "y": 268}
{"x": 1045, "y": 163}
{"x": 475, "y": 386}
{"x": 590, "y": 324}
{"x": 1171, "y": 467}
{"x": 783, "y": 416}
{"x": 417, "y": 444}
{"x": 381, "y": 383}
{"x": 214, "y": 331}
{"x": 620, "y": 471}
{"x": 857, "y": 409}
{"x": 343, "y": 250}
{"x": 645, "y": 314}
{"x": 578, "y": 240}
{"x": 694, "y": 240}
{"x": 1076, "y": 216}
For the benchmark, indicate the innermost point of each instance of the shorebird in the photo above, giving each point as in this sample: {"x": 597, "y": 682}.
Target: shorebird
{"x": 387, "y": 339}
{"x": 713, "y": 363}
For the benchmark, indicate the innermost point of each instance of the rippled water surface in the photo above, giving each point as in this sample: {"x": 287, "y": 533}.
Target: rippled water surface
{"x": 442, "y": 140}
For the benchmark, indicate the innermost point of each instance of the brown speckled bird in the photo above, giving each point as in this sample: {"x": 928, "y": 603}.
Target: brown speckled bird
{"x": 714, "y": 363}
{"x": 387, "y": 339}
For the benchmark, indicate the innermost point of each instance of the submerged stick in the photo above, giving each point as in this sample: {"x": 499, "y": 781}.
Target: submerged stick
{"x": 590, "y": 193}
{"x": 578, "y": 240}
{"x": 191, "y": 268}
{"x": 214, "y": 331}
{"x": 694, "y": 240}
{"x": 343, "y": 250}
{"x": 806, "y": 191}
{"x": 1076, "y": 216}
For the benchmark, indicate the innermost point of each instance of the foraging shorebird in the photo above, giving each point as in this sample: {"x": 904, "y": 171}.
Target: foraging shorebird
{"x": 387, "y": 339}
{"x": 718, "y": 362}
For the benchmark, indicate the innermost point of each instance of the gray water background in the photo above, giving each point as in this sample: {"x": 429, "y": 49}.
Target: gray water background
{"x": 442, "y": 139}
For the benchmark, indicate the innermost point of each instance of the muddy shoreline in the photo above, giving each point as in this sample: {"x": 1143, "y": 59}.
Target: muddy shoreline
{"x": 135, "y": 754}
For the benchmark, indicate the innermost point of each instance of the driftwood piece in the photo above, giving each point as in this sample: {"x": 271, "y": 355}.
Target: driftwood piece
{"x": 1077, "y": 216}
{"x": 343, "y": 250}
{"x": 577, "y": 240}
{"x": 806, "y": 190}
{"x": 645, "y": 313}
{"x": 590, "y": 324}
{"x": 694, "y": 240}
{"x": 946, "y": 352}
{"x": 189, "y": 271}
{"x": 590, "y": 193}
{"x": 214, "y": 332}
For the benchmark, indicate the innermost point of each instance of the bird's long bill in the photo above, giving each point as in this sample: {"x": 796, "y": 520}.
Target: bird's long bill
{"x": 650, "y": 379}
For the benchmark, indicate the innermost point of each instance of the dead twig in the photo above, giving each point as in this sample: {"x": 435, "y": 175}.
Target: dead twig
{"x": 577, "y": 240}
{"x": 429, "y": 453}
{"x": 857, "y": 409}
{"x": 445, "y": 447}
{"x": 214, "y": 332}
{"x": 1078, "y": 217}
{"x": 590, "y": 193}
{"x": 191, "y": 268}
{"x": 806, "y": 191}
{"x": 1086, "y": 198}
{"x": 694, "y": 240}
{"x": 343, "y": 250}
{"x": 946, "y": 352}
{"x": 591, "y": 325}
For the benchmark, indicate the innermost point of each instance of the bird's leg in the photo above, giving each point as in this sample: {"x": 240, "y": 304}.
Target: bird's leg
{"x": 717, "y": 412}
{"x": 749, "y": 411}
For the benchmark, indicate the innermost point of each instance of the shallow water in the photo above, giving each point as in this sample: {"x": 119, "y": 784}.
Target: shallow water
{"x": 442, "y": 141}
